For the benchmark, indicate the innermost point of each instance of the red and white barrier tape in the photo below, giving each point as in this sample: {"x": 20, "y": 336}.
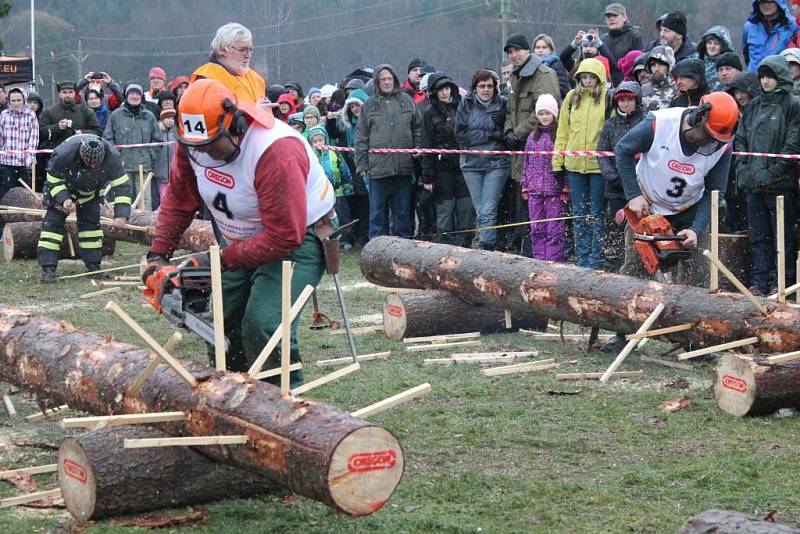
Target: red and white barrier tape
{"x": 579, "y": 153}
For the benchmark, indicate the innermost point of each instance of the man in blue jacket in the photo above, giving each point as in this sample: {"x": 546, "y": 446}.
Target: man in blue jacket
{"x": 767, "y": 31}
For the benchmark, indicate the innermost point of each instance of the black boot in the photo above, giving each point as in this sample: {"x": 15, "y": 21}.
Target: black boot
{"x": 49, "y": 274}
{"x": 615, "y": 344}
{"x": 91, "y": 267}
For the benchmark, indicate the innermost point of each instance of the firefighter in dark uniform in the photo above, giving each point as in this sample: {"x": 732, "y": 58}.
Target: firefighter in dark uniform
{"x": 79, "y": 170}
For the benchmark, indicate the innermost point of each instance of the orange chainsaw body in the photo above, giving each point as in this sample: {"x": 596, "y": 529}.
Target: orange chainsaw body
{"x": 651, "y": 252}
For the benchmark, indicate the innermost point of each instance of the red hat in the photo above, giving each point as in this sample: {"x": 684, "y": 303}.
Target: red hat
{"x": 796, "y": 1}
{"x": 157, "y": 72}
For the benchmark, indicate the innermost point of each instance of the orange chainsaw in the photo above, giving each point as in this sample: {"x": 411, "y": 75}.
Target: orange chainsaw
{"x": 659, "y": 248}
{"x": 182, "y": 294}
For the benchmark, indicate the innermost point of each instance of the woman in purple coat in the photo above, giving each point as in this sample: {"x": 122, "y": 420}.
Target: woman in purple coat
{"x": 541, "y": 188}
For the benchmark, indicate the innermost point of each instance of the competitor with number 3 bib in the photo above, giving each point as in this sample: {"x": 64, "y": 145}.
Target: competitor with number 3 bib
{"x": 685, "y": 154}
{"x": 270, "y": 199}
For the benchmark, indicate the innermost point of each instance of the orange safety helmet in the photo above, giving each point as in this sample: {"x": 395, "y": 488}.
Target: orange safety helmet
{"x": 719, "y": 114}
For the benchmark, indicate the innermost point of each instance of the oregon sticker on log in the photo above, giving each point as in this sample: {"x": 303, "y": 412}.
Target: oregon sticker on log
{"x": 744, "y": 385}
{"x": 75, "y": 471}
{"x": 365, "y": 469}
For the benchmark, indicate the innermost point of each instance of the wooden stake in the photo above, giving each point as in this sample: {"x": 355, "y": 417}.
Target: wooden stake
{"x": 667, "y": 363}
{"x": 797, "y": 279}
{"x": 191, "y": 441}
{"x": 441, "y": 346}
{"x": 735, "y": 281}
{"x": 349, "y": 359}
{"x": 391, "y": 402}
{"x": 154, "y": 346}
{"x": 507, "y": 316}
{"x": 136, "y": 279}
{"x": 216, "y": 307}
{"x": 558, "y": 337}
{"x": 124, "y": 267}
{"x": 33, "y": 175}
{"x": 126, "y": 419}
{"x": 718, "y": 348}
{"x": 714, "y": 286}
{"x": 783, "y": 358}
{"x": 286, "y": 325}
{"x": 632, "y": 343}
{"x": 12, "y": 412}
{"x": 297, "y": 307}
{"x": 360, "y": 330}
{"x": 781, "y": 246}
{"x": 446, "y": 338}
{"x": 29, "y": 188}
{"x": 140, "y": 197}
{"x": 127, "y": 283}
{"x": 660, "y": 332}
{"x": 101, "y": 292}
{"x": 30, "y": 497}
{"x": 49, "y": 468}
{"x": 541, "y": 365}
{"x": 276, "y": 371}
{"x": 598, "y": 376}
{"x": 381, "y": 289}
{"x": 141, "y": 182}
{"x": 477, "y": 356}
{"x": 155, "y": 360}
{"x": 325, "y": 379}
{"x": 38, "y": 416}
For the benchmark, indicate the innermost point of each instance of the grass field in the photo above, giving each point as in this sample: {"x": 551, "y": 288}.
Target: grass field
{"x": 516, "y": 453}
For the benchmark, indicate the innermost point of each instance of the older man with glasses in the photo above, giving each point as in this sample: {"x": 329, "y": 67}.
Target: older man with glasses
{"x": 231, "y": 52}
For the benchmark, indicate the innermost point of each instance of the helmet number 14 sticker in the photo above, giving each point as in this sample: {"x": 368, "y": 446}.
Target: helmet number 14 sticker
{"x": 194, "y": 126}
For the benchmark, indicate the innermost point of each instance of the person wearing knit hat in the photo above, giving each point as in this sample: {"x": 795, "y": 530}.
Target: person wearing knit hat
{"x": 516, "y": 40}
{"x": 541, "y": 187}
{"x": 314, "y": 96}
{"x": 296, "y": 122}
{"x": 164, "y": 153}
{"x": 311, "y": 116}
{"x": 728, "y": 67}
{"x": 672, "y": 33}
{"x": 769, "y": 28}
{"x": 157, "y": 79}
{"x": 411, "y": 85}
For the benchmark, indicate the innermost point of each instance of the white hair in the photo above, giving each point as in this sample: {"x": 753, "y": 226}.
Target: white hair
{"x": 227, "y": 35}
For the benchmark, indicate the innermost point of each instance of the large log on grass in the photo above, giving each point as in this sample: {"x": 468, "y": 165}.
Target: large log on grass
{"x": 99, "y": 478}
{"x": 20, "y": 242}
{"x": 566, "y": 292}
{"x": 748, "y": 386}
{"x": 197, "y": 237}
{"x": 313, "y": 449}
{"x": 430, "y": 313}
{"x": 725, "y": 522}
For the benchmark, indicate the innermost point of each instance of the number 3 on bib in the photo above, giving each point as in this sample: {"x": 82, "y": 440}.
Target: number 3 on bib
{"x": 221, "y": 204}
{"x": 677, "y": 191}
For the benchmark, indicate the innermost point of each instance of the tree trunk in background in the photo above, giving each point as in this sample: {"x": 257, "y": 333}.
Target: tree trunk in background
{"x": 431, "y": 313}
{"x": 99, "y": 478}
{"x": 20, "y": 241}
{"x": 566, "y": 292}
{"x": 313, "y": 449}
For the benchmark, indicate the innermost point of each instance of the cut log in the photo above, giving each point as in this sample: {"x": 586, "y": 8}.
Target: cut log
{"x": 748, "y": 386}
{"x": 197, "y": 238}
{"x": 20, "y": 241}
{"x": 725, "y": 522}
{"x": 99, "y": 478}
{"x": 429, "y": 313}
{"x": 310, "y": 448}
{"x": 734, "y": 253}
{"x": 566, "y": 292}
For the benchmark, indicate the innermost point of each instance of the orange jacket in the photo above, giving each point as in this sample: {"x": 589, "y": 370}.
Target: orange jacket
{"x": 247, "y": 88}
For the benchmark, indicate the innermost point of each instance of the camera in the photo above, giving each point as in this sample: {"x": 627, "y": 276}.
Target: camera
{"x": 589, "y": 37}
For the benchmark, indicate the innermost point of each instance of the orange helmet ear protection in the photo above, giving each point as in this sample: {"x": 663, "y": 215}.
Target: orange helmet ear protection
{"x": 718, "y": 114}
{"x": 238, "y": 125}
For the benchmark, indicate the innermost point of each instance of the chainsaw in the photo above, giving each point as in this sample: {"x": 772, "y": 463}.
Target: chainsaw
{"x": 659, "y": 248}
{"x": 182, "y": 295}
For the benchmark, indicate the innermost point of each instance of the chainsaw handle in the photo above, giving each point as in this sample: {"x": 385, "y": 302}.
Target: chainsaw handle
{"x": 645, "y": 237}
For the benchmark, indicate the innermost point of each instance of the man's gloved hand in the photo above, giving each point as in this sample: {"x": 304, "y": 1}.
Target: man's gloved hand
{"x": 498, "y": 116}
{"x": 497, "y": 135}
{"x": 511, "y": 140}
{"x": 155, "y": 261}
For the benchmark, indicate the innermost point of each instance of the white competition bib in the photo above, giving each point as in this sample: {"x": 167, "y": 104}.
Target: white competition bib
{"x": 670, "y": 181}
{"x": 229, "y": 191}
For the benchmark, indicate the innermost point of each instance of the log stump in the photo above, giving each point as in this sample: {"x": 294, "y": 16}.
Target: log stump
{"x": 744, "y": 386}
{"x": 725, "y": 522}
{"x": 20, "y": 241}
{"x": 431, "y": 313}
{"x": 99, "y": 478}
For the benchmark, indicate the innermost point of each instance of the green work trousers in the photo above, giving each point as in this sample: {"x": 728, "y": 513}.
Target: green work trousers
{"x": 252, "y": 306}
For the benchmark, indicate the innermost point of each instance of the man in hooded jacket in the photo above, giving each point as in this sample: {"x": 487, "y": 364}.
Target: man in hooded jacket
{"x": 767, "y": 31}
{"x": 389, "y": 119}
{"x": 771, "y": 123}
{"x": 720, "y": 36}
{"x": 659, "y": 91}
{"x": 690, "y": 83}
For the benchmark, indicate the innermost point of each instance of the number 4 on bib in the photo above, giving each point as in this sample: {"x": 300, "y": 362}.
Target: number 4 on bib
{"x": 221, "y": 204}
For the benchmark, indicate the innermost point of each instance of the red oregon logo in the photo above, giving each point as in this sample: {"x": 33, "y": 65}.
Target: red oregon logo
{"x": 393, "y": 309}
{"x": 220, "y": 178}
{"x": 76, "y": 471}
{"x": 734, "y": 383}
{"x": 371, "y": 461}
{"x": 683, "y": 168}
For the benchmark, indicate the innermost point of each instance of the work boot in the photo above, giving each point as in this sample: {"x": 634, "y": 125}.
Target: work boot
{"x": 49, "y": 274}
{"x": 615, "y": 344}
{"x": 97, "y": 276}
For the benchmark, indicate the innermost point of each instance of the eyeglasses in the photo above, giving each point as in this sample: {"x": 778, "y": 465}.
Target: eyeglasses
{"x": 245, "y": 50}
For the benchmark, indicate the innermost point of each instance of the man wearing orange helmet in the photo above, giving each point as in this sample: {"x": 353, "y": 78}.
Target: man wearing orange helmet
{"x": 269, "y": 197}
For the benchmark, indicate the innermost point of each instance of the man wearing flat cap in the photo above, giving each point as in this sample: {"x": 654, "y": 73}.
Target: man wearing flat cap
{"x": 621, "y": 37}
